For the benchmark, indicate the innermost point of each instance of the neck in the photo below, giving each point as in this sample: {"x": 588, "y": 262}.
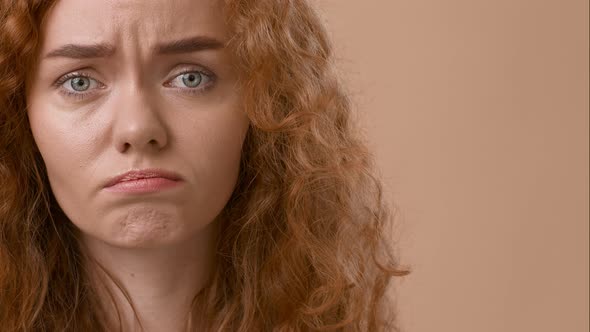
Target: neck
{"x": 161, "y": 282}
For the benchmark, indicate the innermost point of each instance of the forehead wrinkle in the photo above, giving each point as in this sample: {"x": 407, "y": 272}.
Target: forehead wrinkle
{"x": 136, "y": 27}
{"x": 155, "y": 22}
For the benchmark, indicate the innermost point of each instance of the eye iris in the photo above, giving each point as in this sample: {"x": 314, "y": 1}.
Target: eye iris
{"x": 80, "y": 83}
{"x": 191, "y": 79}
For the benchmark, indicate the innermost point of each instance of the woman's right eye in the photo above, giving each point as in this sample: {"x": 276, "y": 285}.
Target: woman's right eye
{"x": 77, "y": 85}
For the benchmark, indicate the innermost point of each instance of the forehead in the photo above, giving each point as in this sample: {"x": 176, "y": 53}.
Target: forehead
{"x": 145, "y": 21}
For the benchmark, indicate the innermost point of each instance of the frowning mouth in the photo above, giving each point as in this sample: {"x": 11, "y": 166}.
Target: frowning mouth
{"x": 146, "y": 180}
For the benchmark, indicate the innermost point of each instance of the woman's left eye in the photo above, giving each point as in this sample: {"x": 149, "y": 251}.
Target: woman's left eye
{"x": 191, "y": 80}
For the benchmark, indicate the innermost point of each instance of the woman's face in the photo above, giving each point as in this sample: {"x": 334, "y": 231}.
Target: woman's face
{"x": 129, "y": 85}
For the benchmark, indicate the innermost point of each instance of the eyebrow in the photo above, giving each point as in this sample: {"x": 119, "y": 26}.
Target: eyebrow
{"x": 101, "y": 50}
{"x": 82, "y": 51}
{"x": 189, "y": 45}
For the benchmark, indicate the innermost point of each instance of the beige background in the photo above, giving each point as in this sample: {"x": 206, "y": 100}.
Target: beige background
{"x": 478, "y": 113}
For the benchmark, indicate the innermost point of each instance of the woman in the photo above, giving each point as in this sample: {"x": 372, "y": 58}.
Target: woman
{"x": 183, "y": 165}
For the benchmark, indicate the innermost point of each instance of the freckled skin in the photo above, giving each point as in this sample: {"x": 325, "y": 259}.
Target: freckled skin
{"x": 133, "y": 120}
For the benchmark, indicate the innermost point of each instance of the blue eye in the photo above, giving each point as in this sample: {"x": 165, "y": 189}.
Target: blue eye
{"x": 192, "y": 79}
{"x": 80, "y": 83}
{"x": 77, "y": 85}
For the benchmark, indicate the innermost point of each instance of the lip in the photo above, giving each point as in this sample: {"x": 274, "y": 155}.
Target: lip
{"x": 135, "y": 176}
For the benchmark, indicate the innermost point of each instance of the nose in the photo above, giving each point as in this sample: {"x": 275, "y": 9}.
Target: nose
{"x": 138, "y": 125}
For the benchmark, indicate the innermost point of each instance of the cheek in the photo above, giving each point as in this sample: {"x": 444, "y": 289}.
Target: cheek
{"x": 214, "y": 147}
{"x": 64, "y": 147}
{"x": 223, "y": 142}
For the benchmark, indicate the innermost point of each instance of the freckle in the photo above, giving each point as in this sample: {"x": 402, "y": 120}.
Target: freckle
{"x": 132, "y": 274}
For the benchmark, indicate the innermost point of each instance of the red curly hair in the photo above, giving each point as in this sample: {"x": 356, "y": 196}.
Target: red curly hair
{"x": 303, "y": 243}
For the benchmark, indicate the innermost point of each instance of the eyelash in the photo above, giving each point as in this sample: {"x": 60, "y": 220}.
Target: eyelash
{"x": 81, "y": 95}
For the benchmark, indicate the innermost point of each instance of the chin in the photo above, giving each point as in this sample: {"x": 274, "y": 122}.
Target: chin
{"x": 145, "y": 228}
